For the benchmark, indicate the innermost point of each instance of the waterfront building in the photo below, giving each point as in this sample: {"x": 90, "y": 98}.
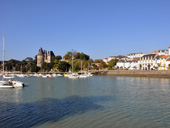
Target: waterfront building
{"x": 44, "y": 56}
{"x": 147, "y": 62}
{"x": 119, "y": 57}
{"x": 161, "y": 52}
{"x": 158, "y": 59}
{"x": 135, "y": 55}
{"x": 164, "y": 62}
{"x": 130, "y": 64}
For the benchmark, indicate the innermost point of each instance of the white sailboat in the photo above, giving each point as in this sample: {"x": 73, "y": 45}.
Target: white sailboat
{"x": 82, "y": 75}
{"x": 3, "y": 83}
{"x": 10, "y": 83}
{"x": 8, "y": 76}
{"x": 73, "y": 75}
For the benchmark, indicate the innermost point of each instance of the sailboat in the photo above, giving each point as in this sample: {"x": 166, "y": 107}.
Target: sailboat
{"x": 3, "y": 83}
{"x": 82, "y": 75}
{"x": 73, "y": 75}
{"x": 10, "y": 83}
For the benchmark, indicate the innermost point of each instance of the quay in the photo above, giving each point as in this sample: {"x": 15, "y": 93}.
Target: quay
{"x": 140, "y": 73}
{"x": 137, "y": 73}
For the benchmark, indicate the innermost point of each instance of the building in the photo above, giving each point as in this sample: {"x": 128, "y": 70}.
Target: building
{"x": 147, "y": 62}
{"x": 130, "y": 64}
{"x": 161, "y": 52}
{"x": 106, "y": 60}
{"x": 44, "y": 57}
{"x": 164, "y": 62}
{"x": 119, "y": 57}
{"x": 135, "y": 55}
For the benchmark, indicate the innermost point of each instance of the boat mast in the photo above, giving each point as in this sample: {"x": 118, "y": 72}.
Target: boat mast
{"x": 3, "y": 52}
{"x": 72, "y": 63}
{"x": 81, "y": 66}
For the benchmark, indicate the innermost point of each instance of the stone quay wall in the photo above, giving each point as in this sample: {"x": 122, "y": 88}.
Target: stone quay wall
{"x": 142, "y": 73}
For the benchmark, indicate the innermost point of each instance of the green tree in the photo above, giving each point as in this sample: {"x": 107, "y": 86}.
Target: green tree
{"x": 58, "y": 57}
{"x": 68, "y": 56}
{"x": 149, "y": 66}
{"x": 98, "y": 61}
{"x": 90, "y": 61}
{"x": 140, "y": 66}
{"x": 29, "y": 60}
{"x": 103, "y": 65}
{"x": 63, "y": 66}
{"x": 112, "y": 63}
{"x": 77, "y": 55}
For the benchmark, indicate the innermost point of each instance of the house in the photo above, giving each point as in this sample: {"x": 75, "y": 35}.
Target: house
{"x": 164, "y": 62}
{"x": 146, "y": 62}
{"x": 131, "y": 65}
{"x": 135, "y": 55}
{"x": 161, "y": 52}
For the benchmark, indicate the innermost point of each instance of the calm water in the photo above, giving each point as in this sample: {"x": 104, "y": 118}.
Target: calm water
{"x": 96, "y": 102}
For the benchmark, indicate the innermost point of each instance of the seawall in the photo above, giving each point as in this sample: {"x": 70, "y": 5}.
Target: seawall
{"x": 141, "y": 73}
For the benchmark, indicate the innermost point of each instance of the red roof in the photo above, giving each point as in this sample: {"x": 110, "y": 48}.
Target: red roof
{"x": 165, "y": 56}
{"x": 168, "y": 60}
{"x": 139, "y": 53}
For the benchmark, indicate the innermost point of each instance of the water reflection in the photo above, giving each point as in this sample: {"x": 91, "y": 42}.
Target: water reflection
{"x": 31, "y": 114}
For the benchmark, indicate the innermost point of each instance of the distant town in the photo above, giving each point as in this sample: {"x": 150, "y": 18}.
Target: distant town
{"x": 159, "y": 60}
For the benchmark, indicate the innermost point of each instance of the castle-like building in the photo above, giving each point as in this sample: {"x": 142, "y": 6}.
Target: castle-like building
{"x": 44, "y": 57}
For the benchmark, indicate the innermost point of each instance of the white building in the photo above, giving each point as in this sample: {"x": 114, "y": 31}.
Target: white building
{"x": 147, "y": 62}
{"x": 135, "y": 55}
{"x": 131, "y": 65}
{"x": 161, "y": 52}
{"x": 106, "y": 60}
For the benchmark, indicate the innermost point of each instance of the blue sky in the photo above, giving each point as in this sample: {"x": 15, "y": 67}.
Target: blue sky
{"x": 99, "y": 28}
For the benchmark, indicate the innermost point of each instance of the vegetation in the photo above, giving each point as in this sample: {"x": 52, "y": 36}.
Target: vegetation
{"x": 63, "y": 66}
{"x": 112, "y": 63}
{"x": 140, "y": 66}
{"x": 30, "y": 64}
{"x": 149, "y": 66}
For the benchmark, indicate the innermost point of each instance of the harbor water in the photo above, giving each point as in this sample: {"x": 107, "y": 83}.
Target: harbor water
{"x": 95, "y": 102}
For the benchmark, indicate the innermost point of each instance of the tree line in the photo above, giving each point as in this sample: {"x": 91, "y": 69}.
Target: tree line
{"x": 79, "y": 61}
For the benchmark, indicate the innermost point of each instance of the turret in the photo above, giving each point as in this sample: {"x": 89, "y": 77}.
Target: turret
{"x": 50, "y": 57}
{"x": 40, "y": 57}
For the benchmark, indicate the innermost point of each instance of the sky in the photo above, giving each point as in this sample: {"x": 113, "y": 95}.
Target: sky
{"x": 98, "y": 28}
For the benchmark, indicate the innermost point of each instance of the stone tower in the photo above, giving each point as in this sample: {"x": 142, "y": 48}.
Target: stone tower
{"x": 40, "y": 57}
{"x": 50, "y": 57}
{"x": 44, "y": 57}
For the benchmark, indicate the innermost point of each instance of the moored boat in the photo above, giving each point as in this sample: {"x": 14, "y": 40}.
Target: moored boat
{"x": 6, "y": 86}
{"x": 17, "y": 84}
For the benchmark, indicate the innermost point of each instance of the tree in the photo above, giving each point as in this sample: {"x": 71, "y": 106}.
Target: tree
{"x": 112, "y": 63}
{"x": 29, "y": 59}
{"x": 103, "y": 65}
{"x": 68, "y": 56}
{"x": 98, "y": 61}
{"x": 77, "y": 55}
{"x": 84, "y": 56}
{"x": 47, "y": 66}
{"x": 58, "y": 57}
{"x": 149, "y": 66}
{"x": 140, "y": 66}
{"x": 63, "y": 66}
{"x": 90, "y": 61}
